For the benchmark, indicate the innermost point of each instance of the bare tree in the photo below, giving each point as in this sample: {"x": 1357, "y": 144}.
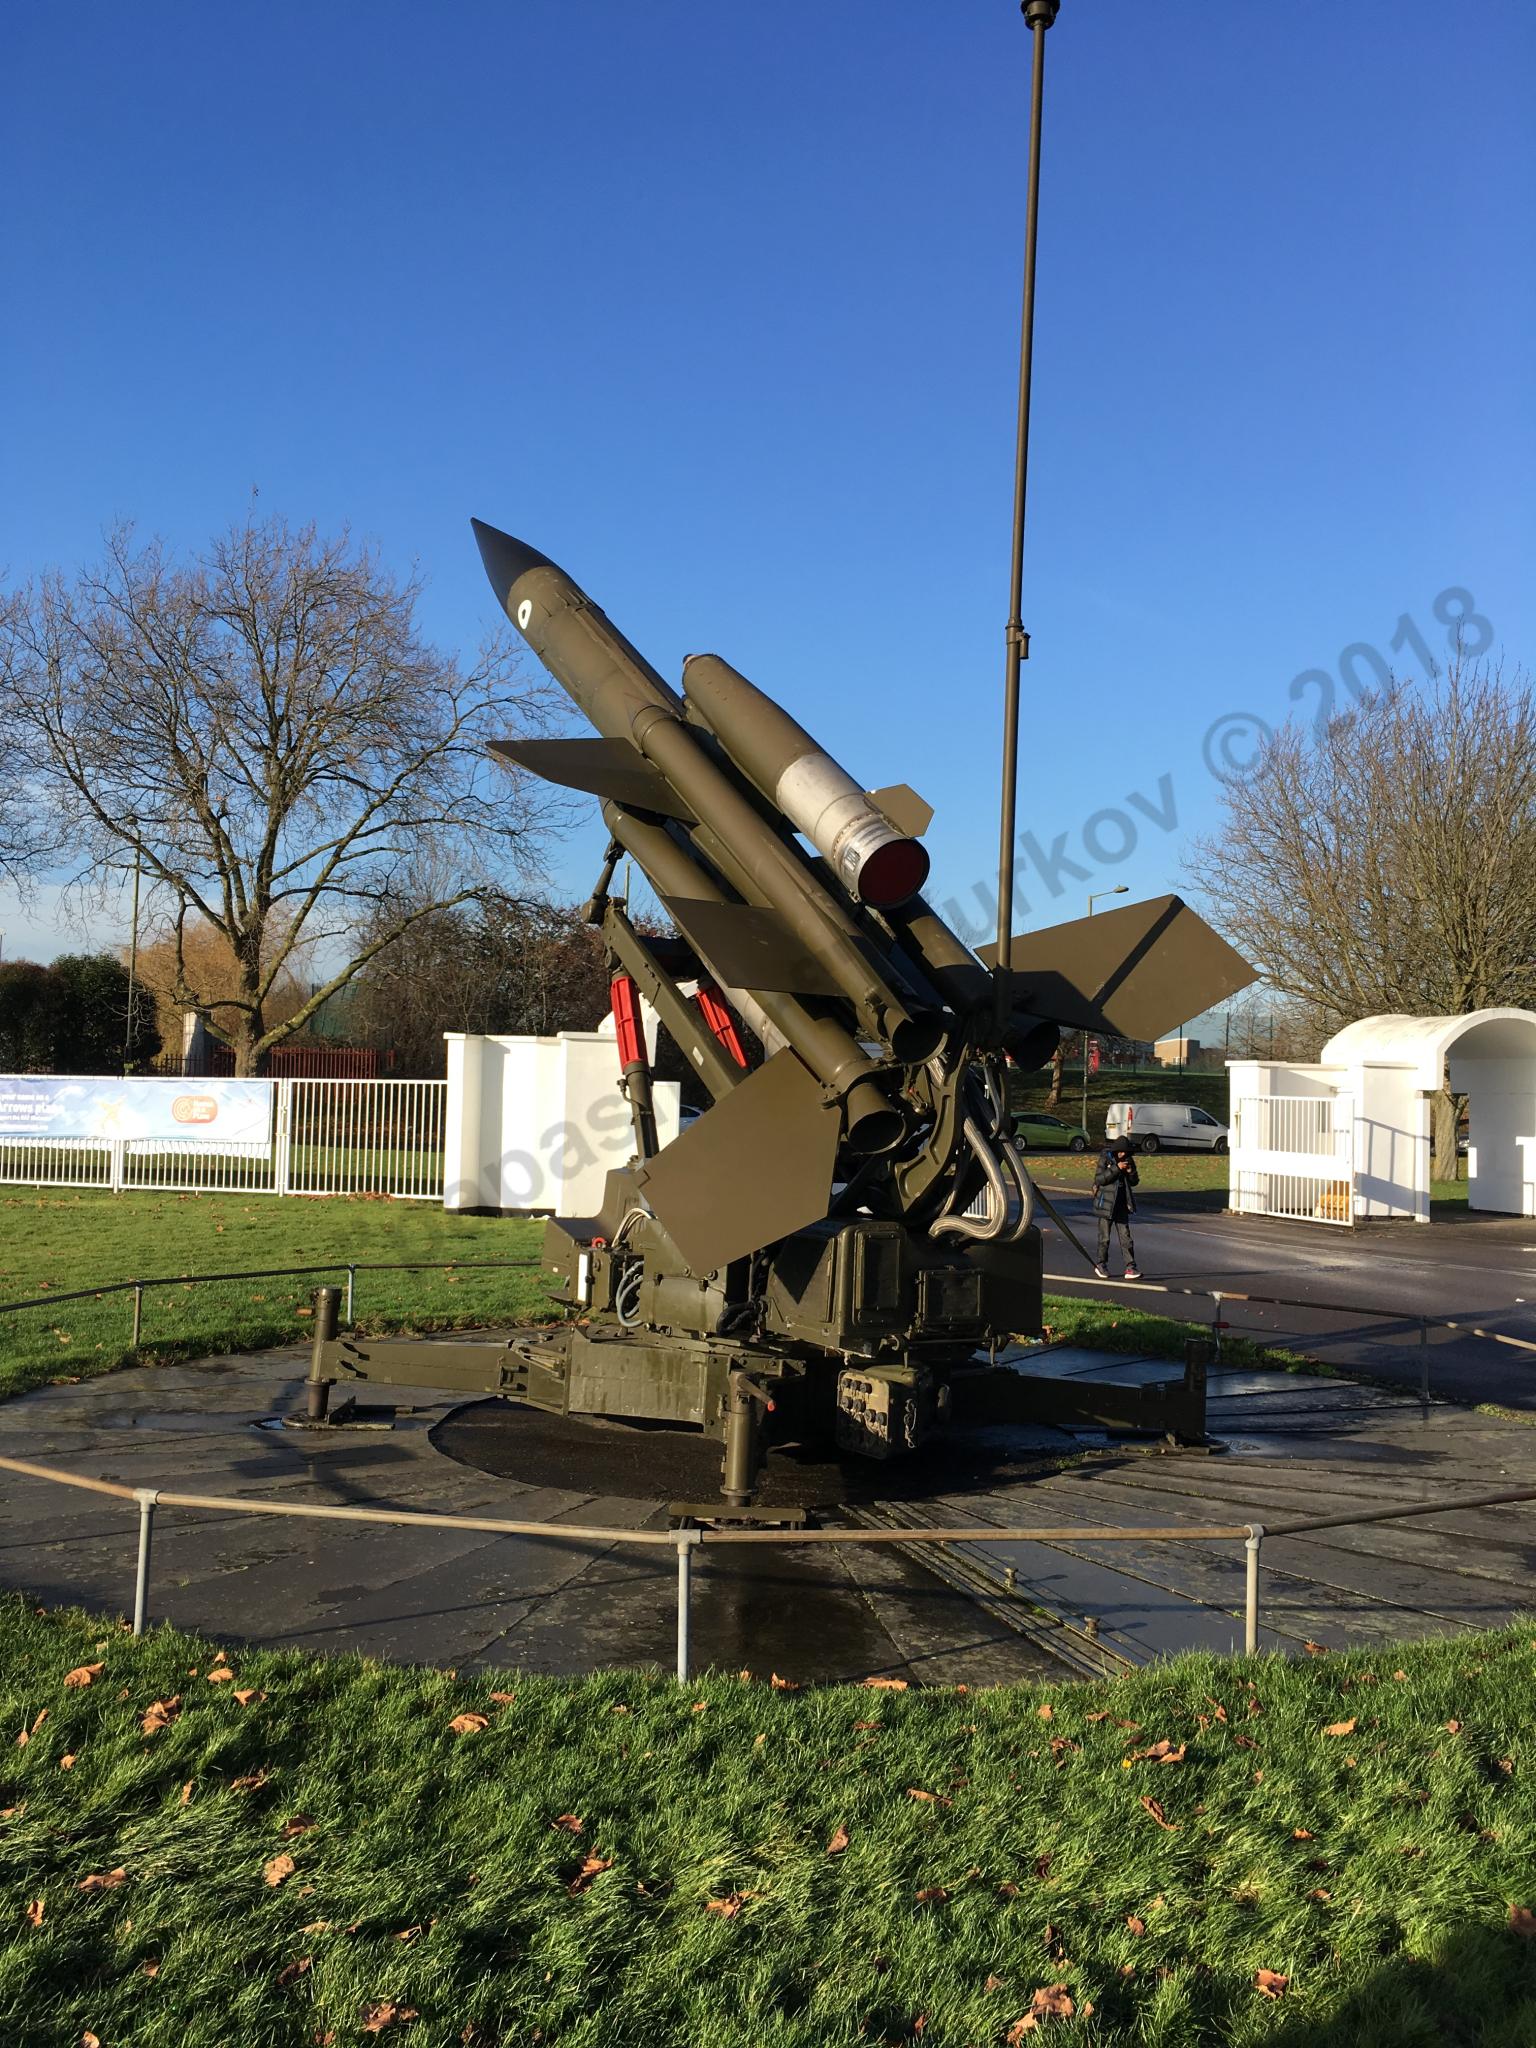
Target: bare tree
{"x": 1389, "y": 866}
{"x": 291, "y": 763}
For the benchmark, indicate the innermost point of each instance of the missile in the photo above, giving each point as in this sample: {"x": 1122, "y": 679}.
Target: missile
{"x": 651, "y": 759}
{"x": 873, "y": 861}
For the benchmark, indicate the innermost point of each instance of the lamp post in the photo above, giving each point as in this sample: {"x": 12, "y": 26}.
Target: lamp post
{"x": 1120, "y": 889}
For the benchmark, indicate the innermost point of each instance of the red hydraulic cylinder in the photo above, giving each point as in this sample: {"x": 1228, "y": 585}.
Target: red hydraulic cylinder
{"x": 720, "y": 1021}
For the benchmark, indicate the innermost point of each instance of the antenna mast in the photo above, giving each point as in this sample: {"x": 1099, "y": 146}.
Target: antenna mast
{"x": 1038, "y": 17}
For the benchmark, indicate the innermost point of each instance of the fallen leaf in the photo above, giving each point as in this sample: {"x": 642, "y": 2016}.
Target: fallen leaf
{"x": 1507, "y": 1765}
{"x": 1101, "y": 1715}
{"x": 1341, "y": 1728}
{"x": 1401, "y": 1676}
{"x": 1046, "y": 1711}
{"x": 993, "y": 1984}
{"x": 1453, "y": 1727}
{"x": 247, "y": 1695}
{"x": 1042, "y": 1866}
{"x": 503, "y": 1699}
{"x": 728, "y": 1907}
{"x": 83, "y": 1674}
{"x": 1317, "y": 1892}
{"x": 294, "y": 1969}
{"x": 1301, "y": 1834}
{"x": 866, "y": 1724}
{"x": 276, "y": 1868}
{"x": 886, "y": 1684}
{"x": 221, "y": 1675}
{"x": 1271, "y": 1982}
{"x": 1522, "y": 1921}
{"x": 1220, "y": 1710}
{"x": 161, "y": 1714}
{"x": 383, "y": 2012}
{"x": 67, "y": 1763}
{"x": 1053, "y": 2001}
{"x": 1160, "y": 1753}
{"x": 103, "y": 1880}
{"x": 1136, "y": 1924}
{"x": 1008, "y": 1889}
{"x": 151, "y": 1968}
{"x": 469, "y": 1724}
{"x": 1315, "y": 1649}
{"x": 1243, "y": 1741}
{"x": 89, "y": 2040}
{"x": 593, "y": 1867}
{"x": 571, "y": 1823}
{"x": 933, "y": 1798}
{"x": 299, "y": 1825}
{"x": 253, "y": 1783}
{"x": 1157, "y": 1813}
{"x": 838, "y": 1843}
{"x": 699, "y": 1707}
{"x": 932, "y": 1895}
{"x": 783, "y": 1684}
{"x": 315, "y": 1927}
{"x": 36, "y": 1909}
{"x": 1020, "y": 2028}
{"x": 410, "y": 1933}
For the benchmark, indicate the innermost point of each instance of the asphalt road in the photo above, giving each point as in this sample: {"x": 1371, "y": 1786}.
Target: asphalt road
{"x": 1479, "y": 1270}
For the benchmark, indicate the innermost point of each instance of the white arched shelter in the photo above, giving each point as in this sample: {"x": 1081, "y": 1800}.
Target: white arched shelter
{"x": 1348, "y": 1139}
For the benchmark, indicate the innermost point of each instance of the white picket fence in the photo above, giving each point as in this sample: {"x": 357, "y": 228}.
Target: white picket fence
{"x": 1294, "y": 1156}
{"x": 326, "y": 1137}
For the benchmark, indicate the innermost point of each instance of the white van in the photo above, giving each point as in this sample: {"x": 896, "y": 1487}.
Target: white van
{"x": 1151, "y": 1125}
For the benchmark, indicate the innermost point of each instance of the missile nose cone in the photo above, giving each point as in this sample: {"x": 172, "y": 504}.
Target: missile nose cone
{"x": 505, "y": 559}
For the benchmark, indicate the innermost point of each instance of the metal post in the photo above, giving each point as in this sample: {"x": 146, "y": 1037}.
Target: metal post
{"x": 1038, "y": 16}
{"x": 1253, "y": 1543}
{"x": 686, "y": 1540}
{"x": 1216, "y": 1324}
{"x": 318, "y": 1385}
{"x": 1424, "y": 1360}
{"x": 146, "y": 1496}
{"x": 138, "y": 1311}
{"x": 351, "y": 1290}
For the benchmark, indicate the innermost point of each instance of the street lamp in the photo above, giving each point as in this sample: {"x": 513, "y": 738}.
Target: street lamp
{"x": 1120, "y": 889}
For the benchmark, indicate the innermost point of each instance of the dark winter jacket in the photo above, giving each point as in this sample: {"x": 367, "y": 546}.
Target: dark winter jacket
{"x": 1111, "y": 1188}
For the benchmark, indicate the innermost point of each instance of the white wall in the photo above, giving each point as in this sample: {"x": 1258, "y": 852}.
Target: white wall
{"x": 538, "y": 1123}
{"x": 1501, "y": 1147}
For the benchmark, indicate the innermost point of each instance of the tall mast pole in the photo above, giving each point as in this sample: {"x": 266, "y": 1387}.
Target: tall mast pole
{"x": 1038, "y": 16}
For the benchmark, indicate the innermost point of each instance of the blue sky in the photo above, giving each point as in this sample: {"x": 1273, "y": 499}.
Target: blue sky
{"x": 718, "y": 306}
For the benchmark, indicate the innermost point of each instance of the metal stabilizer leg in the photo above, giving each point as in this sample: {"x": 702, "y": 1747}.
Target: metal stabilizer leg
{"x": 317, "y": 1388}
{"x": 744, "y": 1408}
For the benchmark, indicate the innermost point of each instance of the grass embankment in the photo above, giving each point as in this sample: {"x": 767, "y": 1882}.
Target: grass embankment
{"x": 1203, "y": 1090}
{"x": 54, "y": 1242}
{"x": 309, "y": 1853}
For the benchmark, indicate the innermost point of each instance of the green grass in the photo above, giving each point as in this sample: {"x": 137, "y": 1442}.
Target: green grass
{"x": 432, "y": 1873}
{"x": 1161, "y": 1172}
{"x": 1208, "y": 1091}
{"x": 55, "y": 1242}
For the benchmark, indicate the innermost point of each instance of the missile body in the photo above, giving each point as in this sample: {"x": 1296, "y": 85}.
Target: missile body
{"x": 874, "y": 862}
{"x": 626, "y": 699}
{"x": 871, "y": 1122}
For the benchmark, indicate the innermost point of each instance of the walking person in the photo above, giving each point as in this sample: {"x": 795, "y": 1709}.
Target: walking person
{"x": 1113, "y": 1179}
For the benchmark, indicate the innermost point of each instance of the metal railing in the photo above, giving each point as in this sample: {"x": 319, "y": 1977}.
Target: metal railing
{"x": 1293, "y": 1156}
{"x": 324, "y": 1137}
{"x": 686, "y": 1542}
{"x": 182, "y": 1281}
{"x": 1218, "y": 1297}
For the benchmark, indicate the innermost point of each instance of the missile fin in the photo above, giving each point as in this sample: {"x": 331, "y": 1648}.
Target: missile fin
{"x": 751, "y": 1170}
{"x": 1138, "y": 972}
{"x": 907, "y": 811}
{"x": 606, "y": 768}
{"x": 749, "y": 947}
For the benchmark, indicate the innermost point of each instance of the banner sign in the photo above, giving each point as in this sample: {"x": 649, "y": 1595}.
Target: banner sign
{"x": 215, "y": 1112}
